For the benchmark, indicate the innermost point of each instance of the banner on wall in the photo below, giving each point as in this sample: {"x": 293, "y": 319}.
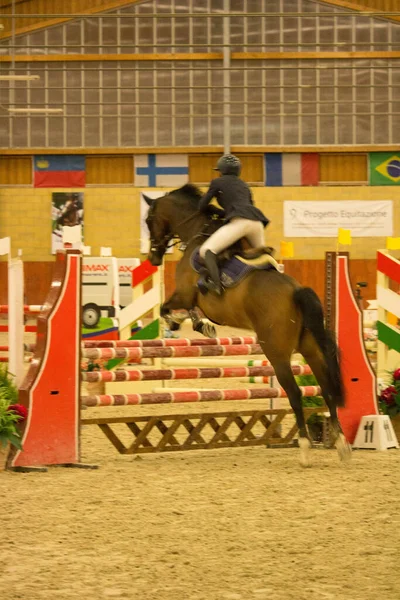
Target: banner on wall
{"x": 144, "y": 231}
{"x": 324, "y": 219}
{"x": 62, "y": 171}
{"x": 66, "y": 211}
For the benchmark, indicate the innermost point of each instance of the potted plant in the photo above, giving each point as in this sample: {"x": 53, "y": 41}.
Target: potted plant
{"x": 389, "y": 401}
{"x": 11, "y": 415}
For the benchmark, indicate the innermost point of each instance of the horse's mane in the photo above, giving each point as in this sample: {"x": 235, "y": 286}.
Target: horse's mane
{"x": 192, "y": 191}
{"x": 193, "y": 194}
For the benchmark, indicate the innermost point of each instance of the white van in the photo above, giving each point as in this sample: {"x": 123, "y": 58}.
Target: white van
{"x": 106, "y": 286}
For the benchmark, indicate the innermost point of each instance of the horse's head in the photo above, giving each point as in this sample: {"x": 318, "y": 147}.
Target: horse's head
{"x": 175, "y": 214}
{"x": 159, "y": 229}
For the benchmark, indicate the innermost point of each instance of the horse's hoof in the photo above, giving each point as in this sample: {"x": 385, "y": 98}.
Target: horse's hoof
{"x": 209, "y": 330}
{"x": 304, "y": 445}
{"x": 343, "y": 447}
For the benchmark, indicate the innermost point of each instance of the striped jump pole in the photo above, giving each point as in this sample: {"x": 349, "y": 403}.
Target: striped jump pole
{"x": 28, "y": 309}
{"x": 170, "y": 342}
{"x": 194, "y": 396}
{"x": 191, "y": 351}
{"x": 189, "y": 373}
{"x": 26, "y": 328}
{"x": 209, "y": 362}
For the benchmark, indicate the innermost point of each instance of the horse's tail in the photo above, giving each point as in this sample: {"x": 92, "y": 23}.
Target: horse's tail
{"x": 313, "y": 319}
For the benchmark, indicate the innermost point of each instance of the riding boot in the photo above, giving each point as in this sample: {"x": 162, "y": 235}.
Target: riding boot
{"x": 214, "y": 284}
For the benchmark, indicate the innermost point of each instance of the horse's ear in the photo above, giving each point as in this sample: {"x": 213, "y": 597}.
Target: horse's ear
{"x": 148, "y": 200}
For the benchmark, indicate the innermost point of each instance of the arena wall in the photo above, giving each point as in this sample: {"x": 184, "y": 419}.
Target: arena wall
{"x": 112, "y": 218}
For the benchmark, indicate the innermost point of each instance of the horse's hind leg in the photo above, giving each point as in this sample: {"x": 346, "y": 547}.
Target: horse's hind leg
{"x": 283, "y": 372}
{"x": 313, "y": 355}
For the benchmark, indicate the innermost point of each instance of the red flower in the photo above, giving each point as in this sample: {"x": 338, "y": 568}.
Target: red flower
{"x": 396, "y": 375}
{"x": 387, "y": 396}
{"x": 21, "y": 410}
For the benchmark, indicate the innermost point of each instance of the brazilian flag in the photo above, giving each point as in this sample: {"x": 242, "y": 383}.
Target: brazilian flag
{"x": 384, "y": 168}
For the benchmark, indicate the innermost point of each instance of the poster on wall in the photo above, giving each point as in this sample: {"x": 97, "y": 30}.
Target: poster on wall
{"x": 144, "y": 231}
{"x": 66, "y": 211}
{"x": 323, "y": 219}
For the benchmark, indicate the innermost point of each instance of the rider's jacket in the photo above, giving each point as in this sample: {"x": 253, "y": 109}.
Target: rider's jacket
{"x": 234, "y": 195}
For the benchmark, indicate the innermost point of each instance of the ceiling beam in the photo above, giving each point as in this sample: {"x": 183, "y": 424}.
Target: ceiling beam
{"x": 107, "y": 5}
{"x": 361, "y": 6}
{"x": 199, "y": 56}
{"x": 346, "y": 149}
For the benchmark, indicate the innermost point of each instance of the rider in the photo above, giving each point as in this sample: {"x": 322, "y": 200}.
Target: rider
{"x": 243, "y": 219}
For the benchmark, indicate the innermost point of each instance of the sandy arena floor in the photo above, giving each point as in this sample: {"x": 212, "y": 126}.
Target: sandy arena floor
{"x": 235, "y": 524}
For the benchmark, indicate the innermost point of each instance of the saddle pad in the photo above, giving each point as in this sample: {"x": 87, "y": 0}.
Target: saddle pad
{"x": 235, "y": 269}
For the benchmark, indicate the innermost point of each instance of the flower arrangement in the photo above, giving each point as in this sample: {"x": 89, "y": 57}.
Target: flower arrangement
{"x": 11, "y": 413}
{"x": 315, "y": 420}
{"x": 89, "y": 366}
{"x": 389, "y": 399}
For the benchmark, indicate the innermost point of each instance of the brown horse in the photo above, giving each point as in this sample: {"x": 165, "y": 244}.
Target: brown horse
{"x": 285, "y": 316}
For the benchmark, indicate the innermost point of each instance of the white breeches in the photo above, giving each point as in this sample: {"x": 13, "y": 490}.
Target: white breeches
{"x": 233, "y": 231}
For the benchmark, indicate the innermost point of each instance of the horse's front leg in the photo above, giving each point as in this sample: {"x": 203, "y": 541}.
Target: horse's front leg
{"x": 179, "y": 302}
{"x": 202, "y": 326}
{"x": 182, "y": 302}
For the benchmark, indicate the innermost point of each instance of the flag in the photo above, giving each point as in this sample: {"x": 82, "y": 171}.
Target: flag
{"x": 161, "y": 170}
{"x": 287, "y": 250}
{"x": 344, "y": 237}
{"x": 56, "y": 170}
{"x": 393, "y": 243}
{"x": 384, "y": 168}
{"x": 291, "y": 169}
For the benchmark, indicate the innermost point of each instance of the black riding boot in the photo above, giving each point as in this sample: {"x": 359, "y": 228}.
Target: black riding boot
{"x": 214, "y": 284}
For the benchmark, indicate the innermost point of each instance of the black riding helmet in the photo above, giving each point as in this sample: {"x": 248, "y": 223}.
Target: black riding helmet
{"x": 229, "y": 164}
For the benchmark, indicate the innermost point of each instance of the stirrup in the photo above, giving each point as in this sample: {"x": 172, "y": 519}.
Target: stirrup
{"x": 206, "y": 284}
{"x": 212, "y": 287}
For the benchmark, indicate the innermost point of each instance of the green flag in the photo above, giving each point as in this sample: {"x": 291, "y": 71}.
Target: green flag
{"x": 384, "y": 168}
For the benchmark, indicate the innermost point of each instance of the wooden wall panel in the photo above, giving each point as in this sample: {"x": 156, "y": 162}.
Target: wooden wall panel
{"x": 312, "y": 273}
{"x": 15, "y": 170}
{"x": 201, "y": 167}
{"x": 252, "y": 168}
{"x": 308, "y": 272}
{"x": 343, "y": 168}
{"x": 37, "y": 281}
{"x": 109, "y": 170}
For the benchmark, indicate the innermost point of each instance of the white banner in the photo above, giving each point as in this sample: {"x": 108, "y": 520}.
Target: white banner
{"x": 323, "y": 219}
{"x": 144, "y": 231}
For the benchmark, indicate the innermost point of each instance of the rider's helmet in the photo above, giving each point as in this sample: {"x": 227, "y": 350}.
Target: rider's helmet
{"x": 229, "y": 164}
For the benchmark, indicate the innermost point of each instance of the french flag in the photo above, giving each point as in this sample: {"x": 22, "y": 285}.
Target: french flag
{"x": 291, "y": 169}
{"x": 59, "y": 170}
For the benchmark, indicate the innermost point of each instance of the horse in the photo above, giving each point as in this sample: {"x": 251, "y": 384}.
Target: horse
{"x": 70, "y": 214}
{"x": 285, "y": 316}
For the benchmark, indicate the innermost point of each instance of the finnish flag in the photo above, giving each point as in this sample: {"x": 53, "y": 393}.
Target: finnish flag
{"x": 161, "y": 170}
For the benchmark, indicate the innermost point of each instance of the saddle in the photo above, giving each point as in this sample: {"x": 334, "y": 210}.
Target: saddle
{"x": 233, "y": 268}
